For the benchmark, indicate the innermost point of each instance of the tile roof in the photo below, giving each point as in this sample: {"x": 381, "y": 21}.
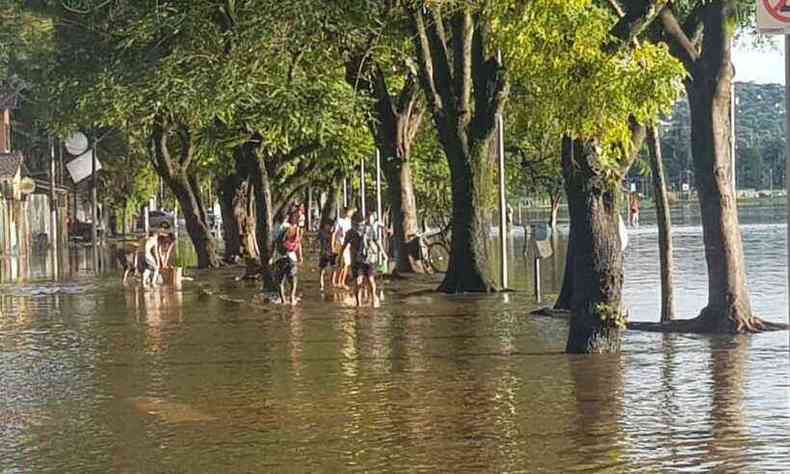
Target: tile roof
{"x": 10, "y": 164}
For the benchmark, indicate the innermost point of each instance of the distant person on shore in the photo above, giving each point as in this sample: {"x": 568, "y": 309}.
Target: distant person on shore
{"x": 326, "y": 254}
{"x": 344, "y": 256}
{"x": 633, "y": 214}
{"x": 285, "y": 246}
{"x": 362, "y": 248}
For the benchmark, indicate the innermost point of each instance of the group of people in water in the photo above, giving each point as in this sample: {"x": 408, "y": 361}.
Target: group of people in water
{"x": 349, "y": 247}
{"x": 349, "y": 251}
{"x": 150, "y": 257}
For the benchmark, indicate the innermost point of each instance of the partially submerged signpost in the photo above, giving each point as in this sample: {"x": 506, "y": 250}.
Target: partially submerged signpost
{"x": 773, "y": 18}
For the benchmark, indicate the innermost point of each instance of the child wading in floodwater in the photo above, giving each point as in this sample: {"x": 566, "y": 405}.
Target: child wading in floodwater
{"x": 286, "y": 244}
{"x": 361, "y": 248}
{"x": 326, "y": 257}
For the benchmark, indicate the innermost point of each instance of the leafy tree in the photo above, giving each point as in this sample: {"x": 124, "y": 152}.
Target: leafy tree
{"x": 465, "y": 87}
{"x": 585, "y": 77}
{"x": 700, "y": 35}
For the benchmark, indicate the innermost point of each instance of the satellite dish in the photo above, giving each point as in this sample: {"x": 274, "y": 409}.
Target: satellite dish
{"x": 77, "y": 143}
{"x": 27, "y": 186}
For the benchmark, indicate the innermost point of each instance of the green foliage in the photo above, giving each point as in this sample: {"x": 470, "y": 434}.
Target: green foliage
{"x": 571, "y": 85}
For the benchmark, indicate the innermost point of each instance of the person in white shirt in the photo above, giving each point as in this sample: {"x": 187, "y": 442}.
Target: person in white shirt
{"x": 151, "y": 259}
{"x": 341, "y": 228}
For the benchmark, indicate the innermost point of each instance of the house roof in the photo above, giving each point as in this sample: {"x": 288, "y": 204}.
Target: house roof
{"x": 10, "y": 163}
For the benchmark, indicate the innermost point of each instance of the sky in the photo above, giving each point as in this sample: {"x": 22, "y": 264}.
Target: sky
{"x": 764, "y": 65}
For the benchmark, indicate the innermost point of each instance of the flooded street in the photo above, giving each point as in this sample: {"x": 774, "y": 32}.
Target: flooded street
{"x": 95, "y": 377}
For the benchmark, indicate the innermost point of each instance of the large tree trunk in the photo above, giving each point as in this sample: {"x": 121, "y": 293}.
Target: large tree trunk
{"x": 563, "y": 302}
{"x": 259, "y": 178}
{"x": 709, "y": 93}
{"x": 404, "y": 215}
{"x": 232, "y": 193}
{"x": 729, "y": 303}
{"x": 597, "y": 316}
{"x": 329, "y": 211}
{"x": 664, "y": 224}
{"x": 179, "y": 174}
{"x": 195, "y": 218}
{"x": 469, "y": 268}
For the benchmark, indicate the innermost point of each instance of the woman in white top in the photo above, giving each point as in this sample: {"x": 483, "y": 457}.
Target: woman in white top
{"x": 343, "y": 226}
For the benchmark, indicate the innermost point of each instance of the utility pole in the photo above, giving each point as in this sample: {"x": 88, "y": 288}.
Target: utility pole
{"x": 502, "y": 197}
{"x": 379, "y": 218}
{"x": 94, "y": 213}
{"x": 54, "y": 237}
{"x": 787, "y": 156}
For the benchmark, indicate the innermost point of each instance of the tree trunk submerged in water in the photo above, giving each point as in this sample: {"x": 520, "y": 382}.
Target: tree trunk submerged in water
{"x": 597, "y": 317}
{"x": 263, "y": 228}
{"x": 400, "y": 190}
{"x": 468, "y": 269}
{"x": 709, "y": 93}
{"x": 664, "y": 224}
{"x": 178, "y": 173}
{"x": 563, "y": 302}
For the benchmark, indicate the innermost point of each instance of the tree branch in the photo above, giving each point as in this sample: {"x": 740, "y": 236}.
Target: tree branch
{"x": 432, "y": 60}
{"x": 631, "y": 23}
{"x": 463, "y": 32}
{"x": 679, "y": 44}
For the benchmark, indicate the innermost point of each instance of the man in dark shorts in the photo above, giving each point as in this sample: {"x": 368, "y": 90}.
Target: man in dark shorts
{"x": 363, "y": 249}
{"x": 326, "y": 257}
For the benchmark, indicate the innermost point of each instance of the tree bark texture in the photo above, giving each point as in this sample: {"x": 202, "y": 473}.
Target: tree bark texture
{"x": 249, "y": 163}
{"x": 708, "y": 59}
{"x": 563, "y": 302}
{"x": 329, "y": 211}
{"x": 465, "y": 90}
{"x": 179, "y": 173}
{"x": 664, "y": 224}
{"x": 231, "y": 192}
{"x": 597, "y": 259}
{"x": 263, "y": 220}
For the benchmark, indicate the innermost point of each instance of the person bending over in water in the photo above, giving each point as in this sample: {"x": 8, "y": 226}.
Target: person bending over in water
{"x": 151, "y": 260}
{"x": 361, "y": 246}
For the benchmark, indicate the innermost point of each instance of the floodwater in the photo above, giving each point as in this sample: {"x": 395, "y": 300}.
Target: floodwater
{"x": 98, "y": 378}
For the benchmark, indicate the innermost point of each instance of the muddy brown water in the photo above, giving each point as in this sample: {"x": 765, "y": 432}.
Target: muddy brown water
{"x": 98, "y": 378}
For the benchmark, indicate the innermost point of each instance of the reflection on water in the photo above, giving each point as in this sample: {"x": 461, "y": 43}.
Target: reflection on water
{"x": 100, "y": 378}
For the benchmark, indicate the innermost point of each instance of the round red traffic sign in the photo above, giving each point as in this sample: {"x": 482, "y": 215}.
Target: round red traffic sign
{"x": 778, "y": 9}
